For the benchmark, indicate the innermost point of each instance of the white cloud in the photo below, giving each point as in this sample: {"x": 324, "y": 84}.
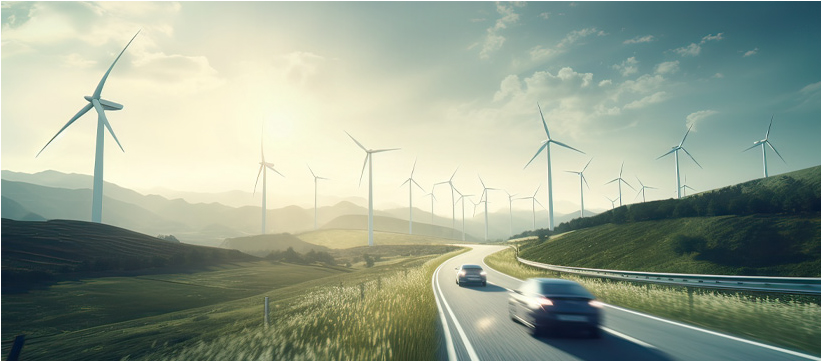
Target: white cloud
{"x": 646, "y": 101}
{"x": 75, "y": 60}
{"x": 180, "y": 74}
{"x": 710, "y": 37}
{"x": 750, "y": 52}
{"x": 640, "y": 39}
{"x": 540, "y": 53}
{"x": 719, "y": 75}
{"x": 627, "y": 67}
{"x": 692, "y": 119}
{"x": 667, "y": 67}
{"x": 544, "y": 15}
{"x": 510, "y": 86}
{"x": 690, "y": 50}
{"x": 493, "y": 40}
{"x": 605, "y": 83}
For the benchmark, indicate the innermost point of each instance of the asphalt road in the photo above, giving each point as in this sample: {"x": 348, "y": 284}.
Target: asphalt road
{"x": 476, "y": 326}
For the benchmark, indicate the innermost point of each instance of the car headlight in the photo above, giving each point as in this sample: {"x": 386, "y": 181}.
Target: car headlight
{"x": 462, "y": 273}
{"x": 483, "y": 273}
{"x": 595, "y": 303}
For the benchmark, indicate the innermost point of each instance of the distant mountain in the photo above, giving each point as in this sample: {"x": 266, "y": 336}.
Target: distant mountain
{"x": 394, "y": 225}
{"x": 13, "y": 210}
{"x": 262, "y": 245}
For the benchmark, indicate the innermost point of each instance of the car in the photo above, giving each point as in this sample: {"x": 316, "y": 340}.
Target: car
{"x": 549, "y": 305}
{"x": 470, "y": 273}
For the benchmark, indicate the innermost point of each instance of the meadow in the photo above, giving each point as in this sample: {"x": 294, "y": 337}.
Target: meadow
{"x": 779, "y": 319}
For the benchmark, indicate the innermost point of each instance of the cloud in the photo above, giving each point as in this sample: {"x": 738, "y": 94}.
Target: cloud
{"x": 646, "y": 101}
{"x": 299, "y": 67}
{"x": 544, "y": 15}
{"x": 509, "y": 87}
{"x": 493, "y": 40}
{"x": 667, "y": 67}
{"x": 719, "y": 75}
{"x": 640, "y": 39}
{"x": 180, "y": 74}
{"x": 75, "y": 60}
{"x": 750, "y": 52}
{"x": 692, "y": 119}
{"x": 690, "y": 50}
{"x": 627, "y": 67}
{"x": 540, "y": 53}
{"x": 710, "y": 37}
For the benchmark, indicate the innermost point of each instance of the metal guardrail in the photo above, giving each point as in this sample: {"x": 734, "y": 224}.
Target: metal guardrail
{"x": 762, "y": 284}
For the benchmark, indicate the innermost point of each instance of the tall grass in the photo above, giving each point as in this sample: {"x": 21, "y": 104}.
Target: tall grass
{"x": 780, "y": 319}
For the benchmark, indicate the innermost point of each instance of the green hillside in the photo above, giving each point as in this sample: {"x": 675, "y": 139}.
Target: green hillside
{"x": 394, "y": 225}
{"x": 344, "y": 239}
{"x": 262, "y": 245}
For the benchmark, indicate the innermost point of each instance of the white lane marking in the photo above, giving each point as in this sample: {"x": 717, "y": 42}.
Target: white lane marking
{"x": 798, "y": 354}
{"x": 468, "y": 347}
{"x": 627, "y": 337}
{"x": 778, "y": 349}
{"x": 449, "y": 343}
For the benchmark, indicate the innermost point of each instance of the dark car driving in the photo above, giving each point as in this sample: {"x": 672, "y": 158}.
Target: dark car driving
{"x": 470, "y": 273}
{"x": 555, "y": 305}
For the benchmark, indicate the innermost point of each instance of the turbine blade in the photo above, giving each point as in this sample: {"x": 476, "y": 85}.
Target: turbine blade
{"x": 418, "y": 185}
{"x": 616, "y": 179}
{"x": 566, "y": 146}
{"x": 355, "y": 141}
{"x": 406, "y": 181}
{"x": 453, "y": 174}
{"x": 586, "y": 165}
{"x": 755, "y": 144}
{"x": 483, "y": 183}
{"x": 272, "y": 169}
{"x": 640, "y": 181}
{"x": 668, "y": 153}
{"x": 544, "y": 125}
{"x": 258, "y": 179}
{"x": 413, "y": 168}
{"x": 312, "y": 171}
{"x": 626, "y": 182}
{"x": 385, "y": 150}
{"x": 769, "y": 128}
{"x": 692, "y": 157}
{"x": 76, "y": 116}
{"x": 586, "y": 181}
{"x": 367, "y": 155}
{"x": 101, "y": 117}
{"x": 539, "y": 203}
{"x": 537, "y": 154}
{"x": 103, "y": 81}
{"x": 777, "y": 152}
{"x": 686, "y": 135}
{"x": 537, "y": 190}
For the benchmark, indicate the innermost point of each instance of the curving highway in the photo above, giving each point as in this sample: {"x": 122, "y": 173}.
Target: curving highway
{"x": 476, "y": 326}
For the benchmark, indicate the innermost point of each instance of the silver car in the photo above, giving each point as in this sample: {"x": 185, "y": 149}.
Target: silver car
{"x": 470, "y": 273}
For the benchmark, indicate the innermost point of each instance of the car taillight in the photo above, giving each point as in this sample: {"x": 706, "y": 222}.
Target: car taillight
{"x": 595, "y": 303}
{"x": 544, "y": 302}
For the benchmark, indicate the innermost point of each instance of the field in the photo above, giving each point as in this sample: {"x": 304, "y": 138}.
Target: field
{"x": 779, "y": 319}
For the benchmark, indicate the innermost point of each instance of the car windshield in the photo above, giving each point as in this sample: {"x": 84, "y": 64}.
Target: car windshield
{"x": 472, "y": 267}
{"x": 564, "y": 289}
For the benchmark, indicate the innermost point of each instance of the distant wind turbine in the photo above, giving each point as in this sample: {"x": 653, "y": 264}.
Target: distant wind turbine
{"x": 546, "y": 145}
{"x": 533, "y": 206}
{"x": 642, "y": 189}
{"x": 619, "y": 180}
{"x": 263, "y": 166}
{"x": 510, "y": 213}
{"x": 411, "y": 182}
{"x": 763, "y": 143}
{"x": 368, "y": 157}
{"x": 433, "y": 198}
{"x": 450, "y": 182}
{"x": 612, "y": 201}
{"x": 581, "y": 179}
{"x": 485, "y": 195}
{"x": 100, "y": 105}
{"x": 462, "y": 198}
{"x": 315, "y": 193}
{"x": 685, "y": 185}
{"x": 675, "y": 151}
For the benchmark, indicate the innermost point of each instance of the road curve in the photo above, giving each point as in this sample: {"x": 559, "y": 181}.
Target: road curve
{"x": 477, "y": 327}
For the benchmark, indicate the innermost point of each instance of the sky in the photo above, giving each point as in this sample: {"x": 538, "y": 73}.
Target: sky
{"x": 455, "y": 85}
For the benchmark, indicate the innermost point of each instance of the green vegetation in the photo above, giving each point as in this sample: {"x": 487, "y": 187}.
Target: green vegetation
{"x": 780, "y": 319}
{"x": 262, "y": 245}
{"x": 773, "y": 245}
{"x": 344, "y": 239}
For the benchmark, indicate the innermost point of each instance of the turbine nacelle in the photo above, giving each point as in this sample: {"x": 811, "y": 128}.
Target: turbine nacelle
{"x": 107, "y": 105}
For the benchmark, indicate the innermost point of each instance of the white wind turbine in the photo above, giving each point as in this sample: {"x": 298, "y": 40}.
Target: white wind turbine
{"x": 316, "y": 178}
{"x": 263, "y": 166}
{"x": 581, "y": 179}
{"x": 763, "y": 143}
{"x": 642, "y": 189}
{"x": 619, "y": 180}
{"x": 510, "y": 213}
{"x": 685, "y": 185}
{"x": 546, "y": 145}
{"x": 534, "y": 201}
{"x": 100, "y": 105}
{"x": 411, "y": 182}
{"x": 368, "y": 156}
{"x": 462, "y": 198}
{"x": 612, "y": 201}
{"x": 675, "y": 151}
{"x": 433, "y": 198}
{"x": 485, "y": 196}
{"x": 450, "y": 182}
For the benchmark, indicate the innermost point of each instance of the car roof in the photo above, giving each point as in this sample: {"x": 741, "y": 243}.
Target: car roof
{"x": 555, "y": 281}
{"x": 470, "y": 266}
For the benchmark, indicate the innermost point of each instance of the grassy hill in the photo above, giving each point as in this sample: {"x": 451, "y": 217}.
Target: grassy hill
{"x": 394, "y": 225}
{"x": 262, "y": 245}
{"x": 42, "y": 251}
{"x": 344, "y": 239}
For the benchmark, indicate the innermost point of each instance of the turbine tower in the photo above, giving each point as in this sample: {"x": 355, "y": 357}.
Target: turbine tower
{"x": 675, "y": 151}
{"x": 100, "y": 105}
{"x": 315, "y": 193}
{"x": 462, "y": 198}
{"x": 485, "y": 195}
{"x": 534, "y": 201}
{"x": 546, "y": 145}
{"x": 510, "y": 213}
{"x": 451, "y": 183}
{"x": 581, "y": 179}
{"x": 368, "y": 157}
{"x": 763, "y": 143}
{"x": 642, "y": 189}
{"x": 433, "y": 198}
{"x": 263, "y": 166}
{"x": 411, "y": 182}
{"x": 619, "y": 180}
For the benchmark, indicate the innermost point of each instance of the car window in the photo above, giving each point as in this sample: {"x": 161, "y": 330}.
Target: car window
{"x": 564, "y": 289}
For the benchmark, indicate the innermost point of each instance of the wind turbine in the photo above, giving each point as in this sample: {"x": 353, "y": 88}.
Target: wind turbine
{"x": 368, "y": 156}
{"x": 612, "y": 201}
{"x": 411, "y": 182}
{"x": 619, "y": 180}
{"x": 546, "y": 145}
{"x": 763, "y": 143}
{"x": 263, "y": 166}
{"x": 100, "y": 105}
{"x": 485, "y": 195}
{"x": 533, "y": 206}
{"x": 315, "y": 193}
{"x": 581, "y": 179}
{"x": 462, "y": 197}
{"x": 642, "y": 189}
{"x": 685, "y": 185}
{"x": 510, "y": 213}
{"x": 432, "y": 205}
{"x": 675, "y": 151}
{"x": 451, "y": 183}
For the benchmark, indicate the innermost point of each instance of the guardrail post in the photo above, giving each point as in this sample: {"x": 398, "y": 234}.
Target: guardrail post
{"x": 16, "y": 348}
{"x": 266, "y": 312}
